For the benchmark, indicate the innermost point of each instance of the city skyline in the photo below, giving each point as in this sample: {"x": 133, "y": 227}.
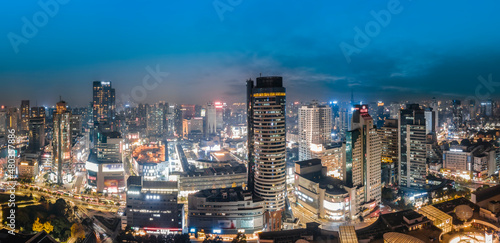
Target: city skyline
{"x": 441, "y": 54}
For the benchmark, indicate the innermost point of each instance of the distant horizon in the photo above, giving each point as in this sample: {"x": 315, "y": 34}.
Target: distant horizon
{"x": 384, "y": 50}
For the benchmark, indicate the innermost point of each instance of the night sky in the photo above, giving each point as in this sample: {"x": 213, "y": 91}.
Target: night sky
{"x": 209, "y": 48}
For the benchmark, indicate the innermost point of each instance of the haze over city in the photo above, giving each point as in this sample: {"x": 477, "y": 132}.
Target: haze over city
{"x": 426, "y": 49}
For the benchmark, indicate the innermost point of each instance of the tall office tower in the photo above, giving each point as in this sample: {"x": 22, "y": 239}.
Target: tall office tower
{"x": 13, "y": 118}
{"x": 315, "y": 124}
{"x": 210, "y": 119}
{"x": 142, "y": 115}
{"x": 435, "y": 107}
{"x": 430, "y": 121}
{"x": 3, "y": 120}
{"x": 219, "y": 113}
{"x": 61, "y": 138}
{"x": 389, "y": 139}
{"x": 457, "y": 113}
{"x": 103, "y": 105}
{"x": 36, "y": 126}
{"x": 472, "y": 109}
{"x": 487, "y": 108}
{"x": 344, "y": 121}
{"x": 188, "y": 111}
{"x": 25, "y": 115}
{"x": 154, "y": 120}
{"x": 76, "y": 125}
{"x": 412, "y": 146}
{"x": 267, "y": 141}
{"x": 363, "y": 159}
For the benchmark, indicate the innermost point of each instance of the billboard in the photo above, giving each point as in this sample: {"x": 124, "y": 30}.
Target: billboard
{"x": 227, "y": 224}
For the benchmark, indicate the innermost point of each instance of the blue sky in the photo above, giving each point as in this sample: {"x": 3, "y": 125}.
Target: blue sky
{"x": 428, "y": 48}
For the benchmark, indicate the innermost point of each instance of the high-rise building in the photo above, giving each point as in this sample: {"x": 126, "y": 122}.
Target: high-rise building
{"x": 36, "y": 129}
{"x": 210, "y": 119}
{"x": 267, "y": 142}
{"x": 412, "y": 146}
{"x": 13, "y": 118}
{"x": 363, "y": 159}
{"x": 25, "y": 115}
{"x": 219, "y": 112}
{"x": 192, "y": 128}
{"x": 487, "y": 108}
{"x": 103, "y": 105}
{"x": 188, "y": 111}
{"x": 389, "y": 138}
{"x": 61, "y": 138}
{"x": 76, "y": 125}
{"x": 3, "y": 120}
{"x": 155, "y": 115}
{"x": 315, "y": 124}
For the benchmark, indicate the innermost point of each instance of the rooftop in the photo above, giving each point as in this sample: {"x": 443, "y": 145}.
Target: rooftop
{"x": 233, "y": 194}
{"x": 330, "y": 184}
{"x": 487, "y": 193}
{"x": 310, "y": 162}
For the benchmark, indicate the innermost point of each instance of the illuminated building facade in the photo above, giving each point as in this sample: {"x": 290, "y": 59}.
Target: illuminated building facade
{"x": 152, "y": 206}
{"x": 61, "y": 138}
{"x": 28, "y": 169}
{"x": 105, "y": 176}
{"x": 389, "y": 140}
{"x": 3, "y": 120}
{"x": 332, "y": 157}
{"x": 36, "y": 129}
{"x": 267, "y": 141}
{"x": 155, "y": 120}
{"x": 362, "y": 169}
{"x": 315, "y": 126}
{"x": 412, "y": 146}
{"x": 210, "y": 119}
{"x": 149, "y": 161}
{"x": 323, "y": 195}
{"x": 192, "y": 127}
{"x": 25, "y": 115}
{"x": 225, "y": 211}
{"x": 103, "y": 107}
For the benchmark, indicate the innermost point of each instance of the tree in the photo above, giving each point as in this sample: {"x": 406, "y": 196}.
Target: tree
{"x": 240, "y": 238}
{"x": 77, "y": 231}
{"x": 37, "y": 226}
{"x": 48, "y": 227}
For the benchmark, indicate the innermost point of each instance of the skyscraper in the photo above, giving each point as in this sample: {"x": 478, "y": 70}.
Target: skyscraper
{"x": 36, "y": 129}
{"x": 3, "y": 120}
{"x": 155, "y": 120}
{"x": 103, "y": 105}
{"x": 389, "y": 139}
{"x": 315, "y": 124}
{"x": 210, "y": 119}
{"x": 267, "y": 141}
{"x": 25, "y": 115}
{"x": 412, "y": 148}
{"x": 61, "y": 138}
{"x": 363, "y": 159}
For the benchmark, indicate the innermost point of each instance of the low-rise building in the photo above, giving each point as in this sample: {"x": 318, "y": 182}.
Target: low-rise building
{"x": 225, "y": 212}
{"x": 323, "y": 195}
{"x": 152, "y": 206}
{"x": 105, "y": 176}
